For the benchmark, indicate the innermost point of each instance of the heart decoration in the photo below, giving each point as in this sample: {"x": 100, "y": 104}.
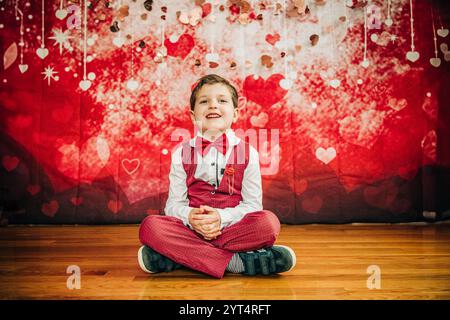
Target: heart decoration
{"x": 42, "y": 52}
{"x": 326, "y": 156}
{"x": 264, "y": 92}
{"x": 132, "y": 84}
{"x": 130, "y": 166}
{"x": 50, "y": 208}
{"x": 23, "y": 68}
{"x": 442, "y": 32}
{"x": 444, "y": 48}
{"x": 212, "y": 57}
{"x": 388, "y": 22}
{"x": 33, "y": 189}
{"x": 85, "y": 84}
{"x": 435, "y": 62}
{"x": 180, "y": 48}
{"x": 313, "y": 204}
{"x": 61, "y": 14}
{"x": 114, "y": 205}
{"x": 76, "y": 201}
{"x": 260, "y": 120}
{"x": 412, "y": 56}
{"x": 272, "y": 38}
{"x": 10, "y": 163}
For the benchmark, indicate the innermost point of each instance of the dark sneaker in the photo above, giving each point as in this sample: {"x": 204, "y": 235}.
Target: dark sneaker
{"x": 151, "y": 261}
{"x": 276, "y": 259}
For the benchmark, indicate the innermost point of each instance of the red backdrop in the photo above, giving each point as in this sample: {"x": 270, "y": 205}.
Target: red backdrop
{"x": 358, "y": 92}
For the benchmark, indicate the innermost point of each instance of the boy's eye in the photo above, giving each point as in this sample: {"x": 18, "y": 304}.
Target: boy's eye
{"x": 223, "y": 100}
{"x": 202, "y": 101}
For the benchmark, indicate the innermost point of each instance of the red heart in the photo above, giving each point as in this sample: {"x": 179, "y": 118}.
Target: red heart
{"x": 76, "y": 201}
{"x": 50, "y": 208}
{"x": 381, "y": 196}
{"x": 181, "y": 48}
{"x": 264, "y": 92}
{"x": 312, "y": 205}
{"x": 10, "y": 163}
{"x": 130, "y": 166}
{"x": 115, "y": 205}
{"x": 300, "y": 186}
{"x": 33, "y": 189}
{"x": 272, "y": 39}
{"x": 260, "y": 120}
{"x": 206, "y": 7}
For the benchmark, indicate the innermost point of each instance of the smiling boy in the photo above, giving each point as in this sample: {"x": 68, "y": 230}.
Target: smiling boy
{"x": 214, "y": 220}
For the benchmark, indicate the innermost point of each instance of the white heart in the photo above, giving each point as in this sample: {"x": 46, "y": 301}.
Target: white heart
{"x": 212, "y": 57}
{"x": 42, "y": 52}
{"x": 447, "y": 56}
{"x": 335, "y": 83}
{"x": 61, "y": 14}
{"x": 435, "y": 62}
{"x": 132, "y": 84}
{"x": 388, "y": 22}
{"x": 118, "y": 41}
{"x": 412, "y": 56}
{"x": 444, "y": 48}
{"x": 85, "y": 84}
{"x": 442, "y": 32}
{"x": 365, "y": 63}
{"x": 286, "y": 84}
{"x": 374, "y": 37}
{"x": 23, "y": 67}
{"x": 326, "y": 156}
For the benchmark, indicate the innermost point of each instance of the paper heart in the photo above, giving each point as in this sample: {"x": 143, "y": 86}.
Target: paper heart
{"x": 118, "y": 41}
{"x": 10, "y": 163}
{"x": 412, "y": 56}
{"x": 50, "y": 208}
{"x": 103, "y": 152}
{"x": 363, "y": 129}
{"x": 313, "y": 204}
{"x": 130, "y": 166}
{"x": 212, "y": 57}
{"x": 181, "y": 48}
{"x": 444, "y": 48}
{"x": 286, "y": 84}
{"x": 442, "y": 32}
{"x": 388, "y": 22}
{"x": 114, "y": 205}
{"x": 374, "y": 37}
{"x": 435, "y": 62}
{"x": 381, "y": 196}
{"x": 264, "y": 92}
{"x": 61, "y": 14}
{"x": 132, "y": 84}
{"x": 42, "y": 52}
{"x": 301, "y": 186}
{"x": 260, "y": 120}
{"x": 23, "y": 67}
{"x": 272, "y": 38}
{"x": 326, "y": 156}
{"x": 335, "y": 83}
{"x": 365, "y": 64}
{"x": 85, "y": 84}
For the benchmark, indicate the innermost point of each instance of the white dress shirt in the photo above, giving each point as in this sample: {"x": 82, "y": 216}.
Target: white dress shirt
{"x": 178, "y": 203}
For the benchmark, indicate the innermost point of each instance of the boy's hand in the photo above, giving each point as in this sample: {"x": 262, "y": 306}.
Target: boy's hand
{"x": 205, "y": 221}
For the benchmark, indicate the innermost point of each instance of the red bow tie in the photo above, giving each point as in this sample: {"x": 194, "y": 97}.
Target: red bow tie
{"x": 221, "y": 144}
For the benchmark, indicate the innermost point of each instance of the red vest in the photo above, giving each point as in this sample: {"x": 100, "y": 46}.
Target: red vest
{"x": 228, "y": 193}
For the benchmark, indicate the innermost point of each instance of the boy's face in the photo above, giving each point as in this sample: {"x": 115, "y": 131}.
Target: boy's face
{"x": 214, "y": 110}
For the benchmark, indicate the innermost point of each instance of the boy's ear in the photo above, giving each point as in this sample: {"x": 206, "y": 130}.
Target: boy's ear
{"x": 236, "y": 115}
{"x": 242, "y": 103}
{"x": 192, "y": 116}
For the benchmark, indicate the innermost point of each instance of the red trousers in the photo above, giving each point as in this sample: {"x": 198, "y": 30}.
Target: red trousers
{"x": 171, "y": 238}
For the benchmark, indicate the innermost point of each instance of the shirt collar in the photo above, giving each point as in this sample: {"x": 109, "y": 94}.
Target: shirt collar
{"x": 231, "y": 136}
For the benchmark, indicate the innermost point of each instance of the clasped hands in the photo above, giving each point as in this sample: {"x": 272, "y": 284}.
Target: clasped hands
{"x": 205, "y": 221}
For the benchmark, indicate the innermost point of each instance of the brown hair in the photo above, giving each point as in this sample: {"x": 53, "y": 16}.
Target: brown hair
{"x": 212, "y": 79}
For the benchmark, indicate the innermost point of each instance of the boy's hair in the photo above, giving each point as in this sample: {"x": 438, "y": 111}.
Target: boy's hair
{"x": 212, "y": 79}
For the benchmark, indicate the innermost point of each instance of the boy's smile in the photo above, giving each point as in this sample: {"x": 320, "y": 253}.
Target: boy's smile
{"x": 214, "y": 111}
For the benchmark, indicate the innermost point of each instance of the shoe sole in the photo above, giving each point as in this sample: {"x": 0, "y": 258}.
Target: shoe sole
{"x": 294, "y": 262}
{"x": 141, "y": 261}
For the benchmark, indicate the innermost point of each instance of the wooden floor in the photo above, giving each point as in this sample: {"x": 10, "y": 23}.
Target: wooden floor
{"x": 332, "y": 264}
